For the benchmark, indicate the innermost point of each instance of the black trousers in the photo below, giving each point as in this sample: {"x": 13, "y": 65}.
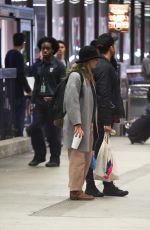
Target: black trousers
{"x": 98, "y": 139}
{"x": 42, "y": 129}
{"x": 20, "y": 107}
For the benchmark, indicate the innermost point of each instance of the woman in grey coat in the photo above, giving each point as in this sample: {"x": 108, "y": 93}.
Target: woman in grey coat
{"x": 80, "y": 106}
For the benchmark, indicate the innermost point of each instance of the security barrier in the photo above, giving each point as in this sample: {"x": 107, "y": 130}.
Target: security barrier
{"x": 7, "y": 102}
{"x": 137, "y": 100}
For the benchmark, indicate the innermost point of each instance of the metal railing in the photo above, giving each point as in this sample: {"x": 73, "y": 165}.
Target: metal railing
{"x": 137, "y": 100}
{"x": 7, "y": 102}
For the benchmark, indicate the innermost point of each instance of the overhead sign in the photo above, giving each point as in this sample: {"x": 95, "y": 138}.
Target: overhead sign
{"x": 118, "y": 17}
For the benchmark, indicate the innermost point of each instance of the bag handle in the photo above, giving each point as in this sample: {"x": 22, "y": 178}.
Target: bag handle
{"x": 106, "y": 137}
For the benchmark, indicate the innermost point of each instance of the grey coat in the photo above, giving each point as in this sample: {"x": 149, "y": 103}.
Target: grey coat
{"x": 79, "y": 110}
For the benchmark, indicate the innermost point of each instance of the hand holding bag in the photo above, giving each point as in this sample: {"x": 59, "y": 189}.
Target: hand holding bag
{"x": 106, "y": 168}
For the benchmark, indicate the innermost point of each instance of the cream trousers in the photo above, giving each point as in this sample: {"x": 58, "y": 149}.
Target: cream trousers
{"x": 79, "y": 163}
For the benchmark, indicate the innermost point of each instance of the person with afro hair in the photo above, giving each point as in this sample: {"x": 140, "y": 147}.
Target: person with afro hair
{"x": 48, "y": 73}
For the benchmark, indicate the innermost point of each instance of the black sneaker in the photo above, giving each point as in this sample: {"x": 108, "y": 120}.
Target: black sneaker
{"x": 136, "y": 141}
{"x": 94, "y": 192}
{"x": 52, "y": 164}
{"x": 112, "y": 190}
{"x": 35, "y": 162}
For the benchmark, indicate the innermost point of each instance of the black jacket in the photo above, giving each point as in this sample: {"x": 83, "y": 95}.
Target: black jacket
{"x": 108, "y": 92}
{"x": 51, "y": 73}
{"x": 14, "y": 59}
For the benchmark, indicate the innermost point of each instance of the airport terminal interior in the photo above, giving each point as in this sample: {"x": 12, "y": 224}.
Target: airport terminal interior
{"x": 78, "y": 22}
{"x": 34, "y": 190}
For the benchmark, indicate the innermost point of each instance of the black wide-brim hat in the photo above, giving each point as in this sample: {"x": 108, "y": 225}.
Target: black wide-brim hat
{"x": 53, "y": 41}
{"x": 87, "y": 53}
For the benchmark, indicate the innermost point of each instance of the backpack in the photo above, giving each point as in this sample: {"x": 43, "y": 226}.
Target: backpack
{"x": 58, "y": 112}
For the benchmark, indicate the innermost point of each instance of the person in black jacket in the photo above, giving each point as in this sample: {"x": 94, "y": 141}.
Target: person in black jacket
{"x": 48, "y": 73}
{"x": 110, "y": 107}
{"x": 14, "y": 59}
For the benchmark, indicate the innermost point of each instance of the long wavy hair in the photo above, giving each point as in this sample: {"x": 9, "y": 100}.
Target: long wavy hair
{"x": 85, "y": 70}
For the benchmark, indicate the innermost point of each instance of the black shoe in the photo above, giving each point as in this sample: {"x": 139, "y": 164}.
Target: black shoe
{"x": 52, "y": 164}
{"x": 112, "y": 190}
{"x": 35, "y": 162}
{"x": 94, "y": 192}
{"x": 133, "y": 141}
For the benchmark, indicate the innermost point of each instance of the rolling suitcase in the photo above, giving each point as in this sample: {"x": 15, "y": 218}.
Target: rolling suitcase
{"x": 139, "y": 131}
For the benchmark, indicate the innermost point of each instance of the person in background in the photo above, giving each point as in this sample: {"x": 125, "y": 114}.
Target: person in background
{"x": 110, "y": 108}
{"x": 80, "y": 106}
{"x": 31, "y": 71}
{"x": 60, "y": 55}
{"x": 112, "y": 60}
{"x": 48, "y": 73}
{"x": 146, "y": 67}
{"x": 14, "y": 59}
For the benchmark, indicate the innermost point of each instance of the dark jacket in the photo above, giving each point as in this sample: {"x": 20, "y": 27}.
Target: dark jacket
{"x": 14, "y": 59}
{"x": 50, "y": 73}
{"x": 109, "y": 99}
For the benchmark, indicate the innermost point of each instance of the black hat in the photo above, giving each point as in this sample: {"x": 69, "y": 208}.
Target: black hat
{"x": 87, "y": 53}
{"x": 106, "y": 40}
{"x": 53, "y": 41}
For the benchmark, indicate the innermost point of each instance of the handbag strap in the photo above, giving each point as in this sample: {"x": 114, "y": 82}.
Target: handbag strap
{"x": 106, "y": 137}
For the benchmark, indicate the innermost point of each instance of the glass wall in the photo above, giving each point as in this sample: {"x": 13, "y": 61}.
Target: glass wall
{"x": 58, "y": 19}
{"x": 137, "y": 34}
{"x": 147, "y": 29}
{"x": 39, "y": 23}
{"x": 89, "y": 21}
{"x": 74, "y": 29}
{"x": 103, "y": 9}
{"x": 40, "y": 19}
{"x": 8, "y": 28}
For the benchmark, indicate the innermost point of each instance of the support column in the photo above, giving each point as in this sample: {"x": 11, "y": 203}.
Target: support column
{"x": 132, "y": 33}
{"x": 96, "y": 19}
{"x": 121, "y": 40}
{"x": 49, "y": 18}
{"x": 66, "y": 26}
{"x": 142, "y": 30}
{"x": 82, "y": 23}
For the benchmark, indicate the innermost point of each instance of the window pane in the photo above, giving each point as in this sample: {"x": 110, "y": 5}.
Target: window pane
{"x": 89, "y": 21}
{"x": 147, "y": 29}
{"x": 137, "y": 34}
{"x": 74, "y": 29}
{"x": 102, "y": 17}
{"x": 58, "y": 19}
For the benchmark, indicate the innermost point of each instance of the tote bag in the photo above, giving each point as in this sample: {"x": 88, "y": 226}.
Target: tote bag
{"x": 106, "y": 168}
